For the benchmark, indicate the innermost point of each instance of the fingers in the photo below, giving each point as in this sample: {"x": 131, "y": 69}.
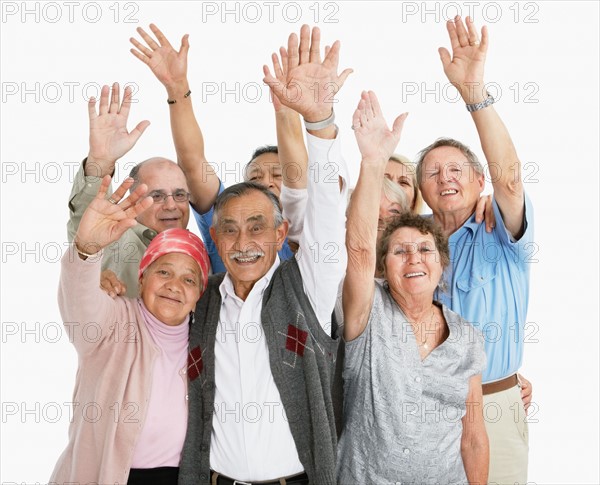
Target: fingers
{"x": 103, "y": 108}
{"x": 484, "y": 39}
{"x": 92, "y": 108}
{"x": 472, "y": 32}
{"x": 480, "y": 210}
{"x": 143, "y": 53}
{"x": 461, "y": 31}
{"x": 315, "y": 46}
{"x": 366, "y": 96}
{"x": 445, "y": 56}
{"x": 490, "y": 217}
{"x": 277, "y": 69}
{"x": 399, "y": 125}
{"x": 356, "y": 124}
{"x": 185, "y": 45}
{"x": 121, "y": 190}
{"x": 342, "y": 78}
{"x": 138, "y": 131}
{"x": 454, "y": 42}
{"x": 114, "y": 99}
{"x": 111, "y": 284}
{"x": 149, "y": 40}
{"x": 374, "y": 104}
{"x": 139, "y": 207}
{"x": 159, "y": 36}
{"x": 304, "y": 44}
{"x": 126, "y": 104}
{"x": 103, "y": 187}
{"x": 284, "y": 61}
{"x": 292, "y": 50}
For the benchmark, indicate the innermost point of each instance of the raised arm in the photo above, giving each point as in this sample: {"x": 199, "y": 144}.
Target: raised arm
{"x": 170, "y": 68}
{"x": 81, "y": 301}
{"x": 109, "y": 138}
{"x": 293, "y": 156}
{"x": 464, "y": 69}
{"x": 310, "y": 84}
{"x": 308, "y": 89}
{"x": 376, "y": 143}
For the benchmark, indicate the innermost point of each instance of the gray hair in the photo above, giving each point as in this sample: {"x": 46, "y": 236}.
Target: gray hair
{"x": 243, "y": 188}
{"x": 472, "y": 160}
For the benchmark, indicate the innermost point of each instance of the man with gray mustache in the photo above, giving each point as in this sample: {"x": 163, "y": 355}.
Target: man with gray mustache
{"x": 262, "y": 356}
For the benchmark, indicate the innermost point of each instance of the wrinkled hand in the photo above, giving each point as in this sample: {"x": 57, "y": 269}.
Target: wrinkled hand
{"x": 465, "y": 68}
{"x": 375, "y": 140}
{"x": 111, "y": 284}
{"x": 168, "y": 65}
{"x": 485, "y": 212}
{"x": 104, "y": 222}
{"x": 109, "y": 138}
{"x": 526, "y": 392}
{"x": 309, "y": 85}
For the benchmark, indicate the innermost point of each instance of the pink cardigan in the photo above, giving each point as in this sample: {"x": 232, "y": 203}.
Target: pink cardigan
{"x": 112, "y": 388}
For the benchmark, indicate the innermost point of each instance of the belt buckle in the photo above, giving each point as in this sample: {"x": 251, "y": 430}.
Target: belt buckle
{"x": 239, "y": 482}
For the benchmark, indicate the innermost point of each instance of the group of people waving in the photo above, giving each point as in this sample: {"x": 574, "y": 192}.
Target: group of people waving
{"x": 249, "y": 356}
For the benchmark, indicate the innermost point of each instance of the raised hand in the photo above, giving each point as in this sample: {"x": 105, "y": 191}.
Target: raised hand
{"x": 310, "y": 84}
{"x": 376, "y": 141}
{"x": 168, "y": 65}
{"x": 465, "y": 67}
{"x": 109, "y": 138}
{"x": 105, "y": 220}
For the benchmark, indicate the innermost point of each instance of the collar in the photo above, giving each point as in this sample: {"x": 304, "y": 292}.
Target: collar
{"x": 226, "y": 287}
{"x": 144, "y": 233}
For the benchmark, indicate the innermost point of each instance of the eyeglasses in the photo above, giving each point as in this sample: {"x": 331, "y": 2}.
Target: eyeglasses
{"x": 160, "y": 197}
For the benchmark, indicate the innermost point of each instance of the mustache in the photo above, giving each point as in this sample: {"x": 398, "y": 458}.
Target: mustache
{"x": 246, "y": 254}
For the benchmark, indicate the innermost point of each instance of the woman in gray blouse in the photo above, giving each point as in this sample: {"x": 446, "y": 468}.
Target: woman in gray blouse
{"x": 412, "y": 371}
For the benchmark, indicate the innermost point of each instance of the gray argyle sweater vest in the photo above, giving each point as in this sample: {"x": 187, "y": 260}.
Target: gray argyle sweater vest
{"x": 302, "y": 358}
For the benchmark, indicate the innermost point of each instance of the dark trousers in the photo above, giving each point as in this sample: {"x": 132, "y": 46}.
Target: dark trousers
{"x": 164, "y": 475}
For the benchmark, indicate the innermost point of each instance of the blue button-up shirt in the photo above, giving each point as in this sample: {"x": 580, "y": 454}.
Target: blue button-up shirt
{"x": 488, "y": 285}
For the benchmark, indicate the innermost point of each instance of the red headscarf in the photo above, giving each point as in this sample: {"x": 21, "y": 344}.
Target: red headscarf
{"x": 176, "y": 241}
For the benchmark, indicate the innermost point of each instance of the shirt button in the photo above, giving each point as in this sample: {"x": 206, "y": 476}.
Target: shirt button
{"x": 417, "y": 379}
{"x": 406, "y": 451}
{"x": 187, "y": 397}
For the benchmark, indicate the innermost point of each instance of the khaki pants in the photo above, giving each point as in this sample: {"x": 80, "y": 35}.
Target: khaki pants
{"x": 509, "y": 437}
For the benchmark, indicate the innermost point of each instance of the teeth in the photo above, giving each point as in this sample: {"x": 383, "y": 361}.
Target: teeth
{"x": 246, "y": 257}
{"x": 412, "y": 275}
{"x": 449, "y": 191}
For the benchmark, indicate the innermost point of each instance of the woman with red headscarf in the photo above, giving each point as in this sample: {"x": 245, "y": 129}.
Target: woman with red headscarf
{"x": 130, "y": 399}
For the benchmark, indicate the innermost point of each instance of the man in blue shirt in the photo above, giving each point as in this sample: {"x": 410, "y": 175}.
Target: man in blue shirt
{"x": 488, "y": 281}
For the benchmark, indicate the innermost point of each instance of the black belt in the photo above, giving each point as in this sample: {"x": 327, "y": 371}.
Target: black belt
{"x": 218, "y": 479}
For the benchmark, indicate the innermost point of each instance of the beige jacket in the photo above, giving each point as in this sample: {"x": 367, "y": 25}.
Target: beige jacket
{"x": 123, "y": 256}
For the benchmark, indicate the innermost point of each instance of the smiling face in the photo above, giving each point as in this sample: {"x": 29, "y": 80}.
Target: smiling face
{"x": 164, "y": 176}
{"x": 247, "y": 239}
{"x": 170, "y": 287}
{"x": 448, "y": 182}
{"x": 265, "y": 170}
{"x": 412, "y": 265}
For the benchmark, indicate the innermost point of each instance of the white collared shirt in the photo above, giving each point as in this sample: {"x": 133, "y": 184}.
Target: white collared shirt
{"x": 251, "y": 438}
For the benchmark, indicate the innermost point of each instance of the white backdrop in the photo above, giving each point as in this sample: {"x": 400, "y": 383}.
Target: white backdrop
{"x": 542, "y": 66}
